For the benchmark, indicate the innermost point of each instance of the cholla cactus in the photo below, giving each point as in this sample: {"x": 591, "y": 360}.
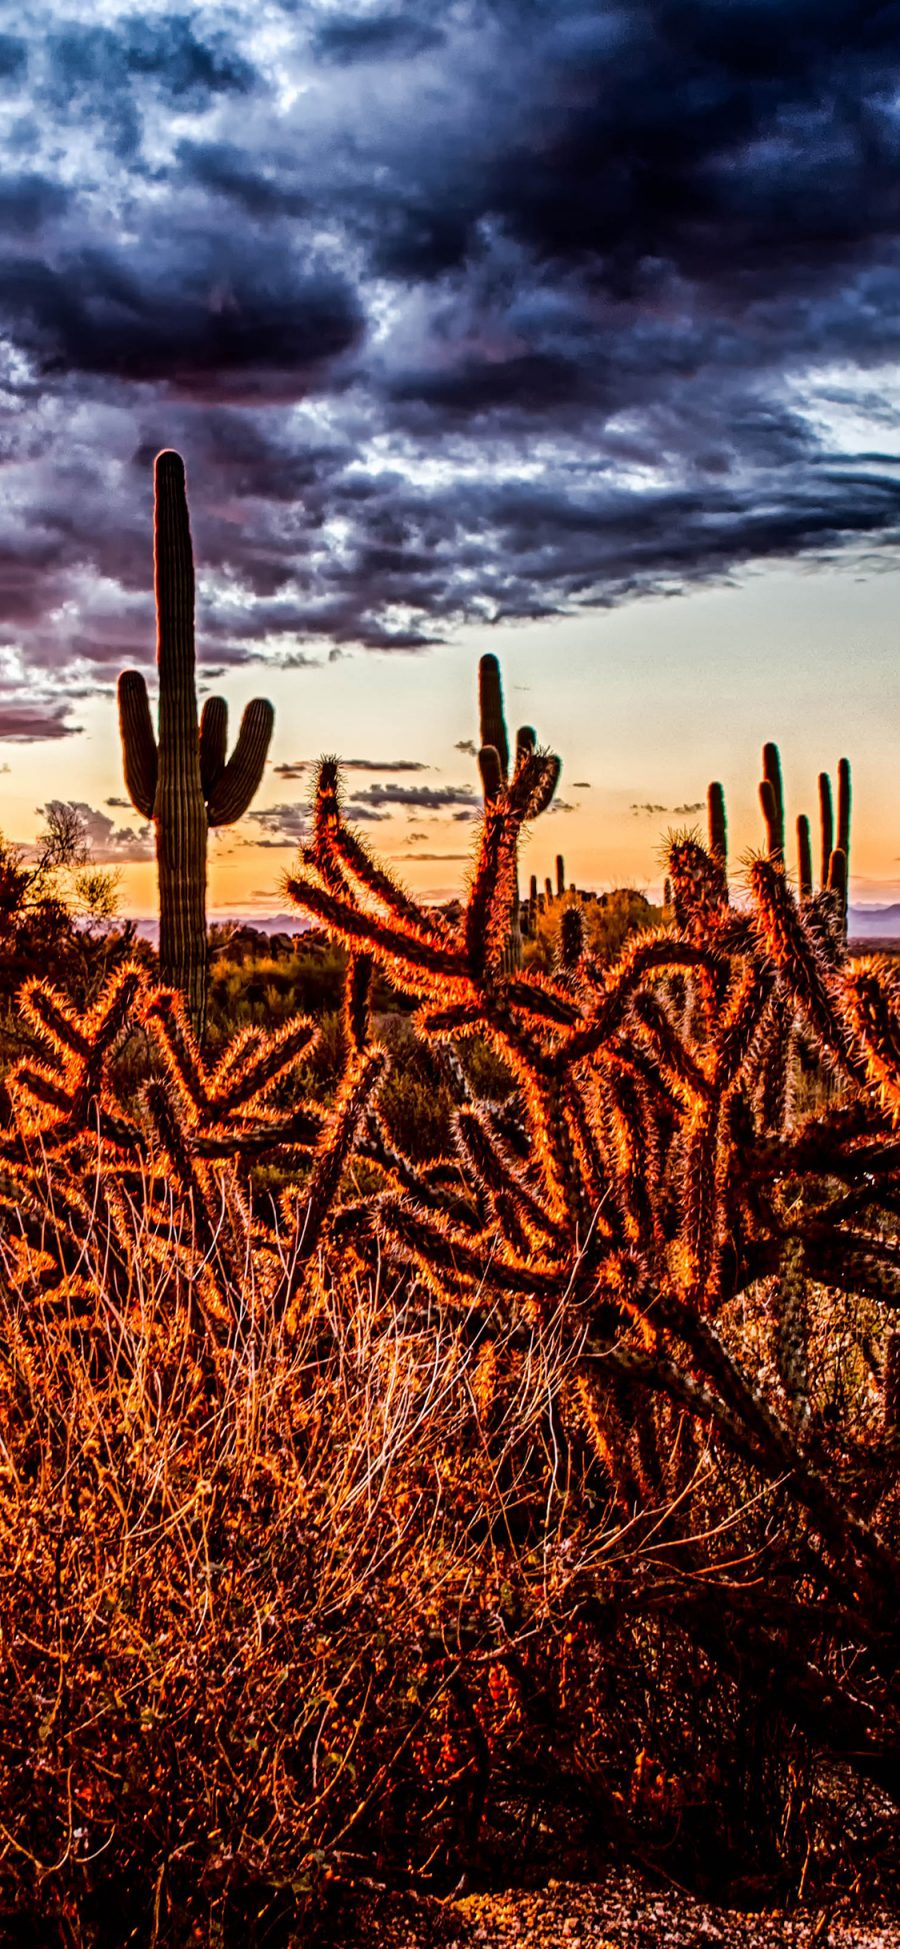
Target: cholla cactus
{"x": 640, "y": 1177}
{"x": 184, "y": 781}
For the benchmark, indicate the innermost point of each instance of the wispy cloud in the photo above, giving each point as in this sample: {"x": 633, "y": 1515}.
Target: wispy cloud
{"x": 674, "y": 811}
{"x": 301, "y": 767}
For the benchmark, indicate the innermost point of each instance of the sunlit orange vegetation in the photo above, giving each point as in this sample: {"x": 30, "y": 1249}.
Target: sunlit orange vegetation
{"x": 545, "y": 1489}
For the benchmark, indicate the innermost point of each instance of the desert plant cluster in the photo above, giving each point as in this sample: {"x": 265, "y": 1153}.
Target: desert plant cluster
{"x": 398, "y": 1510}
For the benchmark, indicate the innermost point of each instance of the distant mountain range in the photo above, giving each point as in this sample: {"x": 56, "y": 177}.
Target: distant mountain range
{"x": 875, "y": 923}
{"x": 294, "y": 923}
{"x": 866, "y": 923}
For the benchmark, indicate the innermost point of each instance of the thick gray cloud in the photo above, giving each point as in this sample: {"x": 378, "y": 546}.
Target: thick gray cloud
{"x": 22, "y": 722}
{"x": 531, "y": 305}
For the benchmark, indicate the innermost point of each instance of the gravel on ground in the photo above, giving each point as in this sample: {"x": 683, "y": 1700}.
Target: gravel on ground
{"x": 621, "y": 1911}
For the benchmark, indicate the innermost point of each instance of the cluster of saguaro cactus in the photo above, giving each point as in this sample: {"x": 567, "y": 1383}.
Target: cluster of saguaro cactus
{"x": 184, "y": 780}
{"x": 543, "y": 902}
{"x": 834, "y": 847}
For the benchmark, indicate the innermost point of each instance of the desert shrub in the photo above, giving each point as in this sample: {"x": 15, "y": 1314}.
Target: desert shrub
{"x": 57, "y": 920}
{"x": 609, "y": 921}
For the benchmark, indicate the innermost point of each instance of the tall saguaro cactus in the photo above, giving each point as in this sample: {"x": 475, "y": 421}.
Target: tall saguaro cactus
{"x": 184, "y": 781}
{"x": 494, "y": 765}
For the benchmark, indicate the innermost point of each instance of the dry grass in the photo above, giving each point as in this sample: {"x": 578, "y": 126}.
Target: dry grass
{"x": 242, "y": 1577}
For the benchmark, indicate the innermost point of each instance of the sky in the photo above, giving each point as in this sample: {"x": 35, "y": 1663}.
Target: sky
{"x": 564, "y": 330}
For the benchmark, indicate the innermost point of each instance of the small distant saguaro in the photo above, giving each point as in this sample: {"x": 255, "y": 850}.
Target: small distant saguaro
{"x": 183, "y": 780}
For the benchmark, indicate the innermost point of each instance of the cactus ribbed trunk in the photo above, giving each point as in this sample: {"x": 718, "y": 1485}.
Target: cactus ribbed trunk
{"x": 718, "y": 823}
{"x": 184, "y": 781}
{"x": 843, "y": 834}
{"x": 826, "y": 821}
{"x": 804, "y": 857}
{"x": 180, "y": 810}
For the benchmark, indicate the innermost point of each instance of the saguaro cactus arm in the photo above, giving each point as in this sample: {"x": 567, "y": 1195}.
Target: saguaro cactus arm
{"x": 213, "y": 743}
{"x": 493, "y": 720}
{"x": 771, "y": 794}
{"x": 139, "y": 754}
{"x": 826, "y": 824}
{"x": 491, "y": 774}
{"x": 241, "y": 777}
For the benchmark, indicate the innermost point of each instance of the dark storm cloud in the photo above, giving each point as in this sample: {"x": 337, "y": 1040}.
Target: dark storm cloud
{"x": 348, "y": 37}
{"x": 92, "y": 64}
{"x": 24, "y": 723}
{"x": 223, "y": 169}
{"x": 209, "y": 320}
{"x": 28, "y": 202}
{"x": 496, "y": 314}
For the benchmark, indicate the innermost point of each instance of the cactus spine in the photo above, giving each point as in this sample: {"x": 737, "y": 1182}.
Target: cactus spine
{"x": 182, "y": 781}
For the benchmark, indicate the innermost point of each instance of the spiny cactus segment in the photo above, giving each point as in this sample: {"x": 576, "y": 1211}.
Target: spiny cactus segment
{"x": 183, "y": 780}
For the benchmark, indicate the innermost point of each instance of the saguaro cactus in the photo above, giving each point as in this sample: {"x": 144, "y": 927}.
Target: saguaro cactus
{"x": 718, "y": 823}
{"x": 771, "y": 794}
{"x": 804, "y": 857}
{"x": 183, "y": 781}
{"x": 494, "y": 765}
